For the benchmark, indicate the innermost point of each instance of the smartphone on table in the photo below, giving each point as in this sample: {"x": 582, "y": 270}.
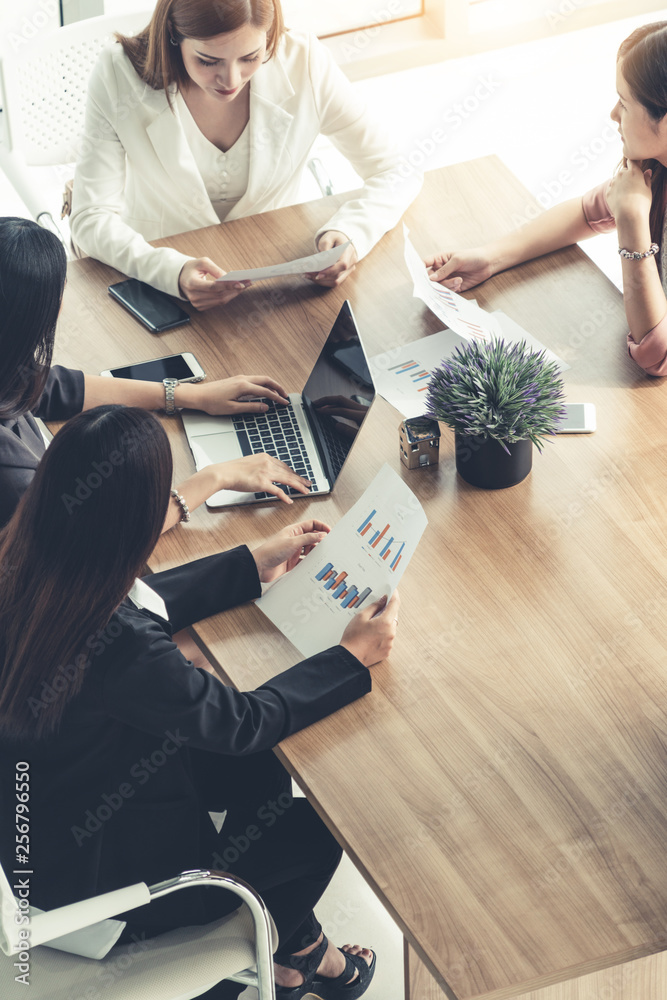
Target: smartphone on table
{"x": 157, "y": 311}
{"x": 184, "y": 367}
{"x": 580, "y": 419}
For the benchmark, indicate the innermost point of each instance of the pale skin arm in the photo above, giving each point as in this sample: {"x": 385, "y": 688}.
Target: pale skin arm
{"x": 560, "y": 226}
{"x": 254, "y": 473}
{"x": 629, "y": 198}
{"x": 344, "y": 266}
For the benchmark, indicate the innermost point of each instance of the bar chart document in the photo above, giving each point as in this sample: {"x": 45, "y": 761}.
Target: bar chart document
{"x": 363, "y": 557}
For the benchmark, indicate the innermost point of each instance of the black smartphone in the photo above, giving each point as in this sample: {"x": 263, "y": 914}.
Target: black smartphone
{"x": 151, "y": 307}
{"x": 184, "y": 367}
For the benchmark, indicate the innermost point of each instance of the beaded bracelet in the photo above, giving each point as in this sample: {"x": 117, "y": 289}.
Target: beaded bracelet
{"x": 636, "y": 255}
{"x": 180, "y": 500}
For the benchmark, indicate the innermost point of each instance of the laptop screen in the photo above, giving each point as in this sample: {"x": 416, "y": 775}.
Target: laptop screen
{"x": 338, "y": 393}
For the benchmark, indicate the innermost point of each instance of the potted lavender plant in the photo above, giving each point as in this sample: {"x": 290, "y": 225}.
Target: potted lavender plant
{"x": 499, "y": 399}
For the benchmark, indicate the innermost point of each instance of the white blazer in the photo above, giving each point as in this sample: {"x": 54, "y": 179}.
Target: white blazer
{"x": 137, "y": 180}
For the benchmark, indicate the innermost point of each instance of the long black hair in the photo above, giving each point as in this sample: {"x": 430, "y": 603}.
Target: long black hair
{"x": 644, "y": 56}
{"x": 80, "y": 535}
{"x": 33, "y": 269}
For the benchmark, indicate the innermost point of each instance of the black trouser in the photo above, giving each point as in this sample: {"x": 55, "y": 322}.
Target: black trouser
{"x": 277, "y": 844}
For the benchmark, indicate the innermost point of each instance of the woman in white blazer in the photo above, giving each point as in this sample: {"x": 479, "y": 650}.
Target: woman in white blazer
{"x": 210, "y": 114}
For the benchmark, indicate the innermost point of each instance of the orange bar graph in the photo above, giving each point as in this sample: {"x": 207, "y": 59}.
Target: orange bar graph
{"x": 380, "y": 536}
{"x": 367, "y": 528}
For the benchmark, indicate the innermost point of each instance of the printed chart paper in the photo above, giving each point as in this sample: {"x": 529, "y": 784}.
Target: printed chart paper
{"x": 463, "y": 316}
{"x": 363, "y": 557}
{"x": 402, "y": 374}
{"x": 512, "y": 332}
{"x": 304, "y": 265}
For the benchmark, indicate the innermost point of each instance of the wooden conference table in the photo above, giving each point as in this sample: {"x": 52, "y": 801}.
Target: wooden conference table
{"x": 503, "y": 787}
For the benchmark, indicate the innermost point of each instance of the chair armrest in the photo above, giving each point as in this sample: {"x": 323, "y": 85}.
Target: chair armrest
{"x": 65, "y": 919}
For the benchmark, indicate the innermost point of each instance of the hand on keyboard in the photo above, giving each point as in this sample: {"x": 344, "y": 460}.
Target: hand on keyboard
{"x": 261, "y": 473}
{"x": 226, "y": 396}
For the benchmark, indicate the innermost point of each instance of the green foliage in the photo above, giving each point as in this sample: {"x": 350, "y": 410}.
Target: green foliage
{"x": 497, "y": 390}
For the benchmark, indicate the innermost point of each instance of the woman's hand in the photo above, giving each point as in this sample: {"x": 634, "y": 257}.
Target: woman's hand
{"x": 371, "y": 633}
{"x": 344, "y": 266}
{"x": 226, "y": 395}
{"x": 259, "y": 474}
{"x": 283, "y": 551}
{"x": 629, "y": 194}
{"x": 197, "y": 282}
{"x": 462, "y": 270}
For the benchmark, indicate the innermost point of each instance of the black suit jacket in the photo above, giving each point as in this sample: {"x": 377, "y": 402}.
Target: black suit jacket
{"x": 21, "y": 442}
{"x": 113, "y": 800}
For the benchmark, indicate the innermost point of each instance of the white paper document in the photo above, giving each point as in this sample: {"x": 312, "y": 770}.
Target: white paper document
{"x": 463, "y": 316}
{"x": 304, "y": 265}
{"x": 402, "y": 374}
{"x": 363, "y": 557}
{"x": 512, "y": 332}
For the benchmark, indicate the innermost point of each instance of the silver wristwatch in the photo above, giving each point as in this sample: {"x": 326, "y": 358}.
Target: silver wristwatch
{"x": 170, "y": 385}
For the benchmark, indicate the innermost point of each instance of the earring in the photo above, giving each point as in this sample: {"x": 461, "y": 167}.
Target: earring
{"x": 173, "y": 41}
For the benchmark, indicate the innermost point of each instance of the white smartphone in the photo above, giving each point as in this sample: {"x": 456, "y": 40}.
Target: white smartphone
{"x": 184, "y": 367}
{"x": 580, "y": 419}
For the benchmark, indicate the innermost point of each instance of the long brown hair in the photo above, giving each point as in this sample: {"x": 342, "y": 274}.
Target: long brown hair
{"x": 644, "y": 55}
{"x": 159, "y": 62}
{"x": 33, "y": 269}
{"x": 80, "y": 535}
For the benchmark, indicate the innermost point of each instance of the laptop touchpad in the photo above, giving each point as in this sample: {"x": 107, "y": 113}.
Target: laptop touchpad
{"x": 208, "y": 449}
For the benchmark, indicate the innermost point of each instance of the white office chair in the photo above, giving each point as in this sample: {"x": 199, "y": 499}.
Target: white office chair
{"x": 43, "y": 101}
{"x": 179, "y": 965}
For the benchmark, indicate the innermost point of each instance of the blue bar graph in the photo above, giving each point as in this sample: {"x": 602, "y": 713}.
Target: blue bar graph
{"x": 336, "y": 584}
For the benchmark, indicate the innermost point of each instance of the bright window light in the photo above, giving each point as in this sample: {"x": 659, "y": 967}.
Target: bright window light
{"x": 485, "y": 15}
{"x": 328, "y": 17}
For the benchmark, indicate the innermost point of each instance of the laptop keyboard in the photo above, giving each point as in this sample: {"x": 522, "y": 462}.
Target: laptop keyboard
{"x": 277, "y": 433}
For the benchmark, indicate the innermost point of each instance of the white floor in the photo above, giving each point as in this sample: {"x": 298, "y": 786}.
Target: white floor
{"x": 544, "y": 109}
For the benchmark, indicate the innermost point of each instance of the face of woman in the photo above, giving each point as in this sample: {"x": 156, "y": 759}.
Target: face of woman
{"x": 223, "y": 65}
{"x": 643, "y": 137}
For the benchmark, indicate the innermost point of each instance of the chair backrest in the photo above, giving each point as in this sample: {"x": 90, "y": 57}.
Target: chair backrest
{"x": 9, "y": 910}
{"x": 44, "y": 86}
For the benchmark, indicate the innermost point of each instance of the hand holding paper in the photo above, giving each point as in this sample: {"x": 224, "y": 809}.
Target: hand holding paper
{"x": 359, "y": 561}
{"x": 314, "y": 263}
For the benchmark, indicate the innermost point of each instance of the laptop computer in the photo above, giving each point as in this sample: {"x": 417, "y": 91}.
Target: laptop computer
{"x": 313, "y": 435}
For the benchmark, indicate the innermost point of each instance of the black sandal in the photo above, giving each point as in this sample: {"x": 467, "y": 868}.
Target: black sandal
{"x": 307, "y": 965}
{"x": 341, "y": 988}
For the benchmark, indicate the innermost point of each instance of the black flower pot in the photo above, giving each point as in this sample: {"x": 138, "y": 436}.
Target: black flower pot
{"x": 484, "y": 462}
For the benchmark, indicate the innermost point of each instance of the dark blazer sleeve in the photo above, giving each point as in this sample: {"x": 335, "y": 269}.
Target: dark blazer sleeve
{"x": 206, "y": 586}
{"x": 63, "y": 394}
{"x": 145, "y": 682}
